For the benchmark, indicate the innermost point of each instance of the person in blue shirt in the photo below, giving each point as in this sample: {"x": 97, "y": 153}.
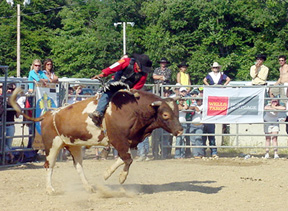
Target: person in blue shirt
{"x": 36, "y": 74}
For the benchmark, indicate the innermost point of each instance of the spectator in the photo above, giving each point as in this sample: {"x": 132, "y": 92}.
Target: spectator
{"x": 161, "y": 139}
{"x": 36, "y": 75}
{"x": 183, "y": 77}
{"x": 22, "y": 101}
{"x": 259, "y": 72}
{"x": 283, "y": 80}
{"x": 215, "y": 77}
{"x": 105, "y": 152}
{"x": 49, "y": 71}
{"x": 283, "y": 70}
{"x": 194, "y": 94}
{"x": 273, "y": 128}
{"x": 97, "y": 153}
{"x": 1, "y": 114}
{"x": 196, "y": 127}
{"x": 143, "y": 150}
{"x": 10, "y": 119}
{"x": 78, "y": 91}
{"x": 210, "y": 129}
{"x": 71, "y": 99}
{"x": 167, "y": 138}
{"x": 183, "y": 105}
{"x": 162, "y": 74}
{"x": 175, "y": 90}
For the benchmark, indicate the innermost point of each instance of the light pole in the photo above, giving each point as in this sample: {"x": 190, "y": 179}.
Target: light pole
{"x": 124, "y": 33}
{"x": 25, "y": 2}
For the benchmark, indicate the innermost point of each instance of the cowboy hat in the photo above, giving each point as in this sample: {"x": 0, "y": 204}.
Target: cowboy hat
{"x": 143, "y": 61}
{"x": 164, "y": 60}
{"x": 183, "y": 64}
{"x": 76, "y": 86}
{"x": 215, "y": 64}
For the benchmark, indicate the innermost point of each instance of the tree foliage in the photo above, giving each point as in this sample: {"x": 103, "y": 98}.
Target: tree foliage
{"x": 81, "y": 39}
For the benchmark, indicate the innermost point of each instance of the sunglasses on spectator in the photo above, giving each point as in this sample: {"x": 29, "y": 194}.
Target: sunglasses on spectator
{"x": 49, "y": 64}
{"x": 37, "y": 65}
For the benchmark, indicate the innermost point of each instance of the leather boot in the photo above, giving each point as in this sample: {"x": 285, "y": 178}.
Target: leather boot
{"x": 96, "y": 118}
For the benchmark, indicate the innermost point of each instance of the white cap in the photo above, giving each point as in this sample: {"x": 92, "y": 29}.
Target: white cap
{"x": 182, "y": 89}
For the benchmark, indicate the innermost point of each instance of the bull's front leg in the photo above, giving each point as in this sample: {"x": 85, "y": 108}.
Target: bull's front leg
{"x": 113, "y": 168}
{"x": 76, "y": 152}
{"x": 124, "y": 158}
{"x": 124, "y": 173}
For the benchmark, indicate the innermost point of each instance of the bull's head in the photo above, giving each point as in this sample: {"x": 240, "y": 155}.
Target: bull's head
{"x": 168, "y": 115}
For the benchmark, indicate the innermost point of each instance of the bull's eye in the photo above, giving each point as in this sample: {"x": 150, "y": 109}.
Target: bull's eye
{"x": 166, "y": 115}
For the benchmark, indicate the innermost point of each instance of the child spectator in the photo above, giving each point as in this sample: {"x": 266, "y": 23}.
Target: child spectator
{"x": 183, "y": 77}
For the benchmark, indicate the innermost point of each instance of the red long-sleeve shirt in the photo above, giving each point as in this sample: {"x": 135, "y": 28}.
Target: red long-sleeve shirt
{"x": 121, "y": 65}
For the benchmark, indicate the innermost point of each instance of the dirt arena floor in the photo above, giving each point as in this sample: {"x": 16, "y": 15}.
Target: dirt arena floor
{"x": 188, "y": 184}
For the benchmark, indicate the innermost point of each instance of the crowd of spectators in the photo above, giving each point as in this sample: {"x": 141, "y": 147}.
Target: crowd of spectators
{"x": 190, "y": 107}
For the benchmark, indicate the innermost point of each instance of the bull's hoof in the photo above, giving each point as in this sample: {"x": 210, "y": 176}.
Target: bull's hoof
{"x": 50, "y": 191}
{"x": 107, "y": 174}
{"x": 123, "y": 176}
{"x": 90, "y": 189}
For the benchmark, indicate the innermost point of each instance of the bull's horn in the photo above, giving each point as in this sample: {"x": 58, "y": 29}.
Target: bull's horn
{"x": 156, "y": 103}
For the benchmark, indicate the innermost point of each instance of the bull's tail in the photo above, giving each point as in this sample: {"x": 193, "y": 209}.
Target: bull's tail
{"x": 12, "y": 101}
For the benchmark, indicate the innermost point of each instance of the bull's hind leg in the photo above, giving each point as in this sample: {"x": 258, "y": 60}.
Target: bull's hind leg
{"x": 51, "y": 156}
{"x": 76, "y": 153}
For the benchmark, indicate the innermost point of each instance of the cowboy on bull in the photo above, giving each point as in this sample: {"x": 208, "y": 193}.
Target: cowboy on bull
{"x": 130, "y": 73}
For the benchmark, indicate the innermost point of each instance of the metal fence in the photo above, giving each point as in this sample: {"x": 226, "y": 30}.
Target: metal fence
{"x": 238, "y": 135}
{"x": 227, "y": 136}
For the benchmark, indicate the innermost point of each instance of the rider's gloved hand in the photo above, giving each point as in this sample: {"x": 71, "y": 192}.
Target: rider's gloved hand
{"x": 98, "y": 76}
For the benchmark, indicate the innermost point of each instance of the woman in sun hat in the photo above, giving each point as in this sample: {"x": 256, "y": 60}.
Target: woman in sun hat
{"x": 215, "y": 77}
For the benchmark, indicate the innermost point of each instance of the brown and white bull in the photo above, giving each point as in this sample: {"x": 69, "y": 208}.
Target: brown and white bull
{"x": 128, "y": 120}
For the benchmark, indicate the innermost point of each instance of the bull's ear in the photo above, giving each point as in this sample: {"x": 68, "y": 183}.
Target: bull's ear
{"x": 176, "y": 98}
{"x": 156, "y": 103}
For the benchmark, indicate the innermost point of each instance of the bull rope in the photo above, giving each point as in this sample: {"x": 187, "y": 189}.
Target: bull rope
{"x": 55, "y": 126}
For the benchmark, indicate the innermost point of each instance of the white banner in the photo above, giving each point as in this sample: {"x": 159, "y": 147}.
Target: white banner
{"x": 233, "y": 105}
